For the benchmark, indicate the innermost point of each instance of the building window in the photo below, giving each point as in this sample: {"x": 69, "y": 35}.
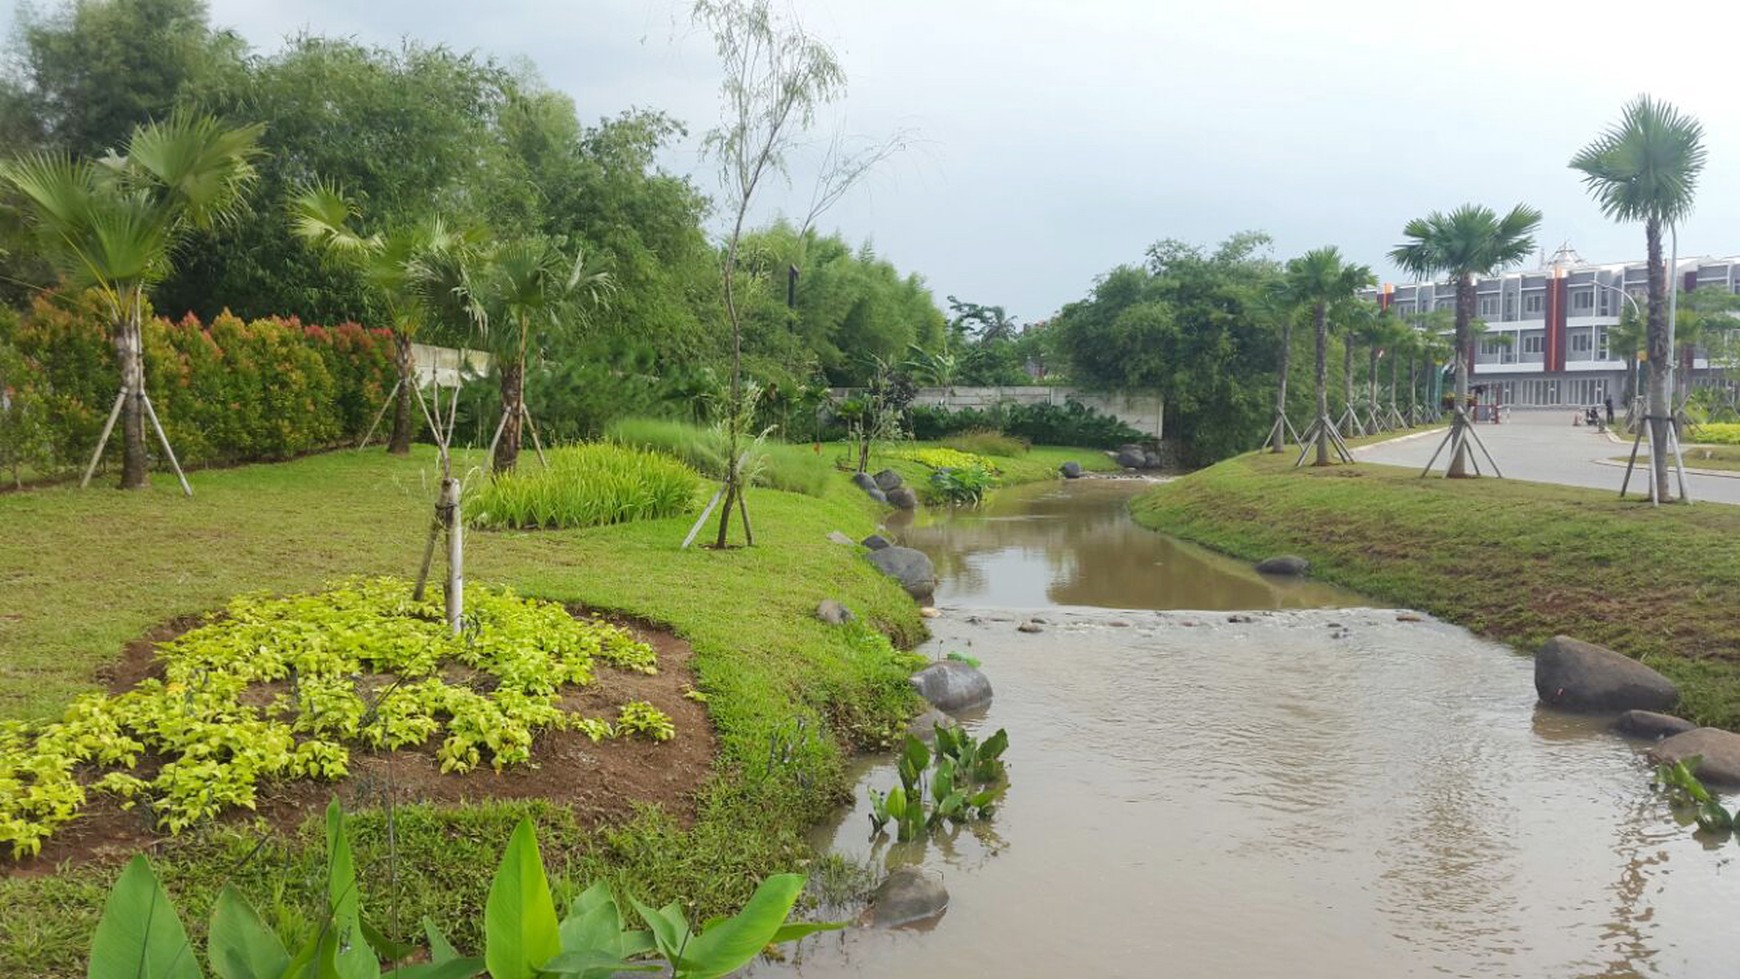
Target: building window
{"x": 1534, "y": 344}
{"x": 1533, "y": 302}
{"x": 1510, "y": 306}
{"x": 1488, "y": 306}
{"x": 1581, "y": 343}
{"x": 1583, "y": 300}
{"x": 1404, "y": 308}
{"x": 1601, "y": 351}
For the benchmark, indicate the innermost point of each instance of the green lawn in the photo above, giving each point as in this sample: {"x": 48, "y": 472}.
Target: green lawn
{"x": 84, "y": 572}
{"x": 1720, "y": 457}
{"x": 1511, "y": 560}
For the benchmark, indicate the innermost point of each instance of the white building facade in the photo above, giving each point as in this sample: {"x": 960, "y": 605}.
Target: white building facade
{"x": 1546, "y": 342}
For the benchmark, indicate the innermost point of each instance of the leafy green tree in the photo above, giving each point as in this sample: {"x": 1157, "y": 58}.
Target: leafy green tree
{"x": 1470, "y": 242}
{"x": 1318, "y": 281}
{"x": 1645, "y": 168}
{"x": 410, "y": 270}
{"x": 1702, "y": 318}
{"x": 521, "y": 292}
{"x": 113, "y": 226}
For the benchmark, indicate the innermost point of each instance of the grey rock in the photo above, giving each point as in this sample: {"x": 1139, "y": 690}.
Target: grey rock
{"x": 876, "y": 542}
{"x": 908, "y": 895}
{"x": 1239, "y": 618}
{"x": 1070, "y": 470}
{"x": 877, "y": 495}
{"x": 1578, "y": 676}
{"x": 952, "y": 686}
{"x": 833, "y": 613}
{"x": 903, "y": 497}
{"x": 1030, "y": 626}
{"x": 1132, "y": 458}
{"x": 1152, "y": 460}
{"x": 911, "y": 568}
{"x": 923, "y": 727}
{"x": 888, "y": 479}
{"x": 1649, "y": 724}
{"x": 1289, "y": 564}
{"x": 1718, "y": 749}
{"x": 836, "y": 537}
{"x": 864, "y": 481}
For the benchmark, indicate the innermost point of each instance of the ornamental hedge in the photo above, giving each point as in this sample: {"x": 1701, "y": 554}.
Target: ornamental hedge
{"x": 227, "y": 392}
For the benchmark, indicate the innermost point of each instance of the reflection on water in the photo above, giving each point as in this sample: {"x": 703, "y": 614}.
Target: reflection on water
{"x": 1280, "y": 798}
{"x": 1073, "y": 543}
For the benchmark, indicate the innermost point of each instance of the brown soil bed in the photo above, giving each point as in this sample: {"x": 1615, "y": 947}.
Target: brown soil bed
{"x": 603, "y": 783}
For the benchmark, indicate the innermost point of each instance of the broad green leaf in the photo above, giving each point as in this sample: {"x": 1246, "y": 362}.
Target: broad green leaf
{"x": 385, "y": 947}
{"x": 590, "y": 898}
{"x": 454, "y": 968}
{"x": 139, "y": 935}
{"x": 730, "y": 945}
{"x": 240, "y": 945}
{"x": 670, "y": 929}
{"x": 897, "y": 803}
{"x": 995, "y": 745}
{"x": 317, "y": 958}
{"x": 440, "y": 949}
{"x": 917, "y": 754}
{"x": 593, "y": 964}
{"x": 520, "y": 931}
{"x": 795, "y": 930}
{"x": 353, "y": 956}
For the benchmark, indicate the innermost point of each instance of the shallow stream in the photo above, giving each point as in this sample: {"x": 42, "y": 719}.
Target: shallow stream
{"x": 1310, "y": 790}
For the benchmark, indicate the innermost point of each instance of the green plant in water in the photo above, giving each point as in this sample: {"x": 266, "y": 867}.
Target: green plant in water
{"x": 967, "y": 485}
{"x": 971, "y": 661}
{"x": 967, "y": 777}
{"x": 140, "y": 935}
{"x": 1685, "y": 789}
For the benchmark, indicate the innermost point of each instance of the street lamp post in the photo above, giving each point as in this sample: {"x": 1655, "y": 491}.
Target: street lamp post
{"x": 1635, "y": 308}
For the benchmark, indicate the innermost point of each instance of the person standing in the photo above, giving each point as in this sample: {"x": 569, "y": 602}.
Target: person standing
{"x": 1609, "y": 405}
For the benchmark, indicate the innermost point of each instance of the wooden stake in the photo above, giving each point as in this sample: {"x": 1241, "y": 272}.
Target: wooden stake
{"x": 103, "y": 439}
{"x": 696, "y": 529}
{"x": 381, "y": 414}
{"x": 455, "y": 555}
{"x": 532, "y": 427}
{"x": 151, "y": 413}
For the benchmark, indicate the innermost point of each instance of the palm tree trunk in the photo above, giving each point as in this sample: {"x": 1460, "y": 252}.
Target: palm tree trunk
{"x": 1658, "y": 360}
{"x": 1320, "y": 317}
{"x": 1280, "y": 441}
{"x": 1347, "y": 370}
{"x": 403, "y": 428}
{"x": 1464, "y": 356}
{"x": 1371, "y": 379}
{"x": 513, "y": 396}
{"x": 1413, "y": 389}
{"x": 130, "y": 355}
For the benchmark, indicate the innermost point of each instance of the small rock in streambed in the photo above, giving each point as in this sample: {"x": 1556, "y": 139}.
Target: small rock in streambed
{"x": 913, "y": 569}
{"x": 1649, "y": 724}
{"x": 1284, "y": 564}
{"x": 833, "y": 613}
{"x": 1118, "y": 624}
{"x": 1070, "y": 470}
{"x": 923, "y": 727}
{"x": 1037, "y": 619}
{"x": 1409, "y": 617}
{"x": 952, "y": 686}
{"x": 1240, "y": 618}
{"x": 1030, "y": 626}
{"x": 929, "y": 613}
{"x": 907, "y": 896}
{"x": 1718, "y": 754}
{"x": 1190, "y": 623}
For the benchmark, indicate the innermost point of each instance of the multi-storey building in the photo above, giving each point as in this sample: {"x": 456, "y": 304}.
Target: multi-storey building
{"x": 1546, "y": 341}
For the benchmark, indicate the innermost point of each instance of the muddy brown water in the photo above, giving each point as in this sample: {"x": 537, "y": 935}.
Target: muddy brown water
{"x": 1312, "y": 792}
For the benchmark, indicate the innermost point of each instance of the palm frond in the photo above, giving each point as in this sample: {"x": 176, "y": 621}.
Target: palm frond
{"x": 202, "y": 167}
{"x": 1646, "y": 166}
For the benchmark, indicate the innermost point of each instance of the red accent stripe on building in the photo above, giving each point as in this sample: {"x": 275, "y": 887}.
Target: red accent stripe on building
{"x": 1558, "y": 303}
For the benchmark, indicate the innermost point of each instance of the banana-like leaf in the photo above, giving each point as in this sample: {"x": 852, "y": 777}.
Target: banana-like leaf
{"x": 385, "y": 947}
{"x": 995, "y": 745}
{"x": 731, "y": 944}
{"x": 520, "y": 932}
{"x": 792, "y": 931}
{"x": 670, "y": 930}
{"x": 1713, "y": 817}
{"x": 240, "y": 945}
{"x": 440, "y": 949}
{"x": 596, "y": 925}
{"x": 455, "y": 968}
{"x": 592, "y": 964}
{"x": 916, "y": 754}
{"x": 139, "y": 934}
{"x": 354, "y": 958}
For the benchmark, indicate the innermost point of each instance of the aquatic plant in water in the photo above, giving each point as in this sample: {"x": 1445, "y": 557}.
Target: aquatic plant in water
{"x": 966, "y": 778}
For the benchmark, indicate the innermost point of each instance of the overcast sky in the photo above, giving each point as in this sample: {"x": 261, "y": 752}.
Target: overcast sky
{"x": 1057, "y": 139}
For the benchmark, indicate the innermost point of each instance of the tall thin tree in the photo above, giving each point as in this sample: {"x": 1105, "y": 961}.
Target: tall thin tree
{"x": 1317, "y": 281}
{"x": 1645, "y": 168}
{"x": 1465, "y": 244}
{"x": 112, "y": 226}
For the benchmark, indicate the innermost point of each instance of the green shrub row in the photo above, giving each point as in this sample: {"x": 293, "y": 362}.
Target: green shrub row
{"x": 227, "y": 392}
{"x": 585, "y": 486}
{"x": 1072, "y": 423}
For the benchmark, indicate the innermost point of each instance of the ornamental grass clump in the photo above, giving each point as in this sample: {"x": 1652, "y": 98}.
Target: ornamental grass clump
{"x": 586, "y": 486}
{"x": 780, "y": 465}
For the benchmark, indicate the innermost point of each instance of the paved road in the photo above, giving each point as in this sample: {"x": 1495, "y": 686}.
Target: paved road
{"x": 1543, "y": 447}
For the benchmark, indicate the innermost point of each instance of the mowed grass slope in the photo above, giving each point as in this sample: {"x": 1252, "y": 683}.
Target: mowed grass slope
{"x": 1515, "y": 561}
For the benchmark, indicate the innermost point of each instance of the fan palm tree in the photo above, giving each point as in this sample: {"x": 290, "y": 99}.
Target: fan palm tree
{"x": 112, "y": 226}
{"x": 1466, "y": 244}
{"x": 403, "y": 269}
{"x": 1318, "y": 280}
{"x": 1626, "y": 338}
{"x": 520, "y": 293}
{"x": 1645, "y": 168}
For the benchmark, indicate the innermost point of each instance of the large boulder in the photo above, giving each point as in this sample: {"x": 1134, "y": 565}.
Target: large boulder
{"x": 1578, "y": 676}
{"x": 908, "y": 895}
{"x": 864, "y": 481}
{"x": 1288, "y": 564}
{"x": 888, "y": 479}
{"x": 1718, "y": 750}
{"x": 876, "y": 542}
{"x": 911, "y": 568}
{"x": 1070, "y": 470}
{"x": 951, "y": 685}
{"x": 903, "y": 497}
{"x": 877, "y": 495}
{"x": 1153, "y": 460}
{"x": 833, "y": 613}
{"x": 1132, "y": 458}
{"x": 1649, "y": 724}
